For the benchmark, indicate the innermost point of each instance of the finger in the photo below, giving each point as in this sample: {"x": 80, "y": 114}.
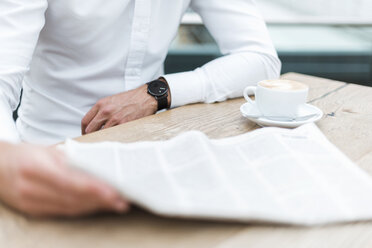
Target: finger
{"x": 47, "y": 208}
{"x": 88, "y": 118}
{"x": 40, "y": 191}
{"x": 114, "y": 121}
{"x": 41, "y": 196}
{"x": 110, "y": 124}
{"x": 36, "y": 191}
{"x": 44, "y": 209}
{"x": 93, "y": 189}
{"x": 75, "y": 186}
{"x": 127, "y": 117}
{"x": 104, "y": 195}
{"x": 96, "y": 124}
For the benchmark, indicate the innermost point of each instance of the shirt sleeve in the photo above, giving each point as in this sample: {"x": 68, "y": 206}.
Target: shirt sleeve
{"x": 249, "y": 55}
{"x": 20, "y": 25}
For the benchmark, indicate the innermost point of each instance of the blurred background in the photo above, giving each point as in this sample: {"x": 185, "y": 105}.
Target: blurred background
{"x": 326, "y": 38}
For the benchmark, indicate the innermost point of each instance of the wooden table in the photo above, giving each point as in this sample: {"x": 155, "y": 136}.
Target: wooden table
{"x": 347, "y": 123}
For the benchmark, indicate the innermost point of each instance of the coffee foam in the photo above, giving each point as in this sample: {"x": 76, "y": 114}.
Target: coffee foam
{"x": 283, "y": 85}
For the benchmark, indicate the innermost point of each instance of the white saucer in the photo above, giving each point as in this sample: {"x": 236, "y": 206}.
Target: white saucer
{"x": 248, "y": 110}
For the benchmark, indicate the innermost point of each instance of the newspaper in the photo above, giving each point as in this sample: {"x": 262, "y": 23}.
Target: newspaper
{"x": 268, "y": 175}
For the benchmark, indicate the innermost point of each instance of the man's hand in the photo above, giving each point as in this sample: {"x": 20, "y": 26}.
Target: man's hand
{"x": 118, "y": 109}
{"x": 36, "y": 181}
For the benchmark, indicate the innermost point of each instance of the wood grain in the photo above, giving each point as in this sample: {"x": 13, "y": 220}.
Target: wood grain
{"x": 347, "y": 124}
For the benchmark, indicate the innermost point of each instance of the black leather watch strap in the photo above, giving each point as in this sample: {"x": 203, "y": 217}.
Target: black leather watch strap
{"x": 162, "y": 101}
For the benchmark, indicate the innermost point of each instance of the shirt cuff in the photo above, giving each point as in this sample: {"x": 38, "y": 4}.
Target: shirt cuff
{"x": 8, "y": 130}
{"x": 185, "y": 88}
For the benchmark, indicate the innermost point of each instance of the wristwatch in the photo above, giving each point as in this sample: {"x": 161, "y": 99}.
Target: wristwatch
{"x": 159, "y": 90}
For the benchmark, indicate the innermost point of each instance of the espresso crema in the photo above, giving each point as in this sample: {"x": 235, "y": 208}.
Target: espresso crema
{"x": 283, "y": 85}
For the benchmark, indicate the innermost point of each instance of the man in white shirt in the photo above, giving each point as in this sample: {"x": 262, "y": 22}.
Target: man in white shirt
{"x": 85, "y": 65}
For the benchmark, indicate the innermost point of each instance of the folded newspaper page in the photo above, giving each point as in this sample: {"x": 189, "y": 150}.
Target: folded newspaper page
{"x": 268, "y": 175}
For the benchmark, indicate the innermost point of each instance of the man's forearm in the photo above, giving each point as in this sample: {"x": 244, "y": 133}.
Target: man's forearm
{"x": 222, "y": 78}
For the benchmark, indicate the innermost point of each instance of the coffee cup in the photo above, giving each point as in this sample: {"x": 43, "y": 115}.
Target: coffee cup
{"x": 281, "y": 98}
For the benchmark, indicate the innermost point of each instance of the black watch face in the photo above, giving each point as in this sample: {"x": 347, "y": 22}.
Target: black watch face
{"x": 157, "y": 88}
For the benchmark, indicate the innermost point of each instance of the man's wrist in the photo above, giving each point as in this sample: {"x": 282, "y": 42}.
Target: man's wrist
{"x": 149, "y": 100}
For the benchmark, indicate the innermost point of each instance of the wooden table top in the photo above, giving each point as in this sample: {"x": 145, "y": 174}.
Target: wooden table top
{"x": 347, "y": 123}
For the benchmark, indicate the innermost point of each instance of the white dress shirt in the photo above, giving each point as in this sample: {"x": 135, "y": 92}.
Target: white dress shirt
{"x": 68, "y": 54}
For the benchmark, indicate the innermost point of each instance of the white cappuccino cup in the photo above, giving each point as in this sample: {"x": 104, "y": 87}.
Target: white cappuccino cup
{"x": 281, "y": 98}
